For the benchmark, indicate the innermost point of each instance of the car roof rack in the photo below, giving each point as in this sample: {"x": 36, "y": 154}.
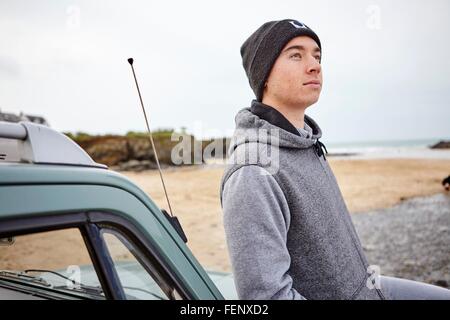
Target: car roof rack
{"x": 34, "y": 143}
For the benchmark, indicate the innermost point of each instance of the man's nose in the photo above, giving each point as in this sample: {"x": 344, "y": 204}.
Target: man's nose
{"x": 313, "y": 66}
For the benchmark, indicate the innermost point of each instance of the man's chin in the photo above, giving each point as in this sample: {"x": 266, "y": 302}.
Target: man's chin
{"x": 311, "y": 101}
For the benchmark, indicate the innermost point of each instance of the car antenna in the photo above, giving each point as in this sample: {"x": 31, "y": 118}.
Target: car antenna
{"x": 173, "y": 220}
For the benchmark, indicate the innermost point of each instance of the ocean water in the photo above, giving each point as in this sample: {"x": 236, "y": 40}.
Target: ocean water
{"x": 419, "y": 149}
{"x": 397, "y": 149}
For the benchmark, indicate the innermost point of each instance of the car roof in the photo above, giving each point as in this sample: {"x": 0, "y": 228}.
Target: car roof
{"x": 33, "y": 154}
{"x": 28, "y": 173}
{"x": 22, "y": 173}
{"x": 13, "y": 174}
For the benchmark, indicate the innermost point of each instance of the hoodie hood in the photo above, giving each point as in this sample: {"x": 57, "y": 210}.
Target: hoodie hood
{"x": 263, "y": 124}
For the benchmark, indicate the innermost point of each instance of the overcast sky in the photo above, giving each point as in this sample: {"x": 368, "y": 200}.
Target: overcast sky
{"x": 386, "y": 64}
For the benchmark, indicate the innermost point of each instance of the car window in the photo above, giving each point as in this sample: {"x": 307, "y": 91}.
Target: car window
{"x": 139, "y": 277}
{"x": 57, "y": 261}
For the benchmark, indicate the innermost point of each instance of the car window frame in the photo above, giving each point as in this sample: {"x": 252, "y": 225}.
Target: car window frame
{"x": 104, "y": 219}
{"x": 150, "y": 267}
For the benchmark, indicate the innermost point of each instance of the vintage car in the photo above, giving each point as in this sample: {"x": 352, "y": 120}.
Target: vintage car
{"x": 71, "y": 228}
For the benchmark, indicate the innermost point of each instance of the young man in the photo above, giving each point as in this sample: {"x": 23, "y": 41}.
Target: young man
{"x": 288, "y": 230}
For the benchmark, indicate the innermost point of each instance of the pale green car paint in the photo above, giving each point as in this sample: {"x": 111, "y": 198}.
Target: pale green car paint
{"x": 33, "y": 190}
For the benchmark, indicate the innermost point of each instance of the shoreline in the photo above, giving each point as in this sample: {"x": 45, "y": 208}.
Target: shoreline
{"x": 390, "y": 153}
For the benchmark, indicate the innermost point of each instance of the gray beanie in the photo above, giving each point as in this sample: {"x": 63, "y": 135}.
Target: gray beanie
{"x": 263, "y": 47}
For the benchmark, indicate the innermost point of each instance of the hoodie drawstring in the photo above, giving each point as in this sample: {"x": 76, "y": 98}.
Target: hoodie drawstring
{"x": 318, "y": 147}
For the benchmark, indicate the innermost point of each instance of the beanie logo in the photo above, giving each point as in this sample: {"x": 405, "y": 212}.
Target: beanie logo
{"x": 301, "y": 25}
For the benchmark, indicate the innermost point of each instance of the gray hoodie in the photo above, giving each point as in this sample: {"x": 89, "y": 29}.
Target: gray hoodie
{"x": 288, "y": 230}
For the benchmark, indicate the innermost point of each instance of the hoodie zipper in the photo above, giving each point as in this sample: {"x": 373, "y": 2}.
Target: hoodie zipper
{"x": 319, "y": 152}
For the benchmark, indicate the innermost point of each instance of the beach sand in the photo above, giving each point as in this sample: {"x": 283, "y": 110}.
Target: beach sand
{"x": 365, "y": 185}
{"x": 194, "y": 195}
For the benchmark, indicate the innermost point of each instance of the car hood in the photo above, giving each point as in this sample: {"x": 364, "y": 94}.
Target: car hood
{"x": 225, "y": 283}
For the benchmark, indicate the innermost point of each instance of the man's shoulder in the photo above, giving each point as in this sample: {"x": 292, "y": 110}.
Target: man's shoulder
{"x": 247, "y": 176}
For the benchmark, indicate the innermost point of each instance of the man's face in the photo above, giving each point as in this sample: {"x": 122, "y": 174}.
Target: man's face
{"x": 296, "y": 77}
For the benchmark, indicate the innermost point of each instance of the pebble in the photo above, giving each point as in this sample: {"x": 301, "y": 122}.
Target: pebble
{"x": 410, "y": 240}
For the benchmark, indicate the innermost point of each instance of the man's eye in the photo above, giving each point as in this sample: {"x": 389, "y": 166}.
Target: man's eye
{"x": 296, "y": 55}
{"x": 318, "y": 58}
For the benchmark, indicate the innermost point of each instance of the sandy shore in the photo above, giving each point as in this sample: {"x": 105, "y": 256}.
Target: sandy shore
{"x": 365, "y": 184}
{"x": 194, "y": 193}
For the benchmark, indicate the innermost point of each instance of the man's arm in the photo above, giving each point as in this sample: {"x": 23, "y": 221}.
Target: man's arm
{"x": 256, "y": 220}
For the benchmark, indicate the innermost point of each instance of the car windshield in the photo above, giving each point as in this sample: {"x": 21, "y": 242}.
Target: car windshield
{"x": 53, "y": 281}
{"x": 56, "y": 261}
